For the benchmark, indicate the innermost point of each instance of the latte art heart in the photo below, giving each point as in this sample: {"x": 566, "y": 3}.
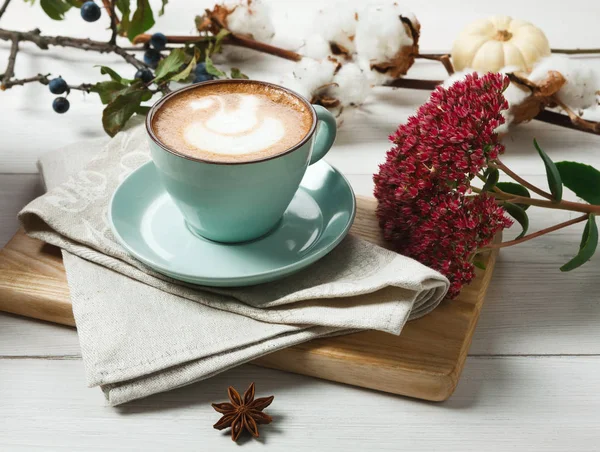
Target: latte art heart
{"x": 232, "y": 122}
{"x": 240, "y": 130}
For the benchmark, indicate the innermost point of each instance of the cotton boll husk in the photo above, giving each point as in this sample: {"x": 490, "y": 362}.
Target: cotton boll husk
{"x": 336, "y": 23}
{"x": 582, "y": 81}
{"x": 382, "y": 38}
{"x": 351, "y": 85}
{"x": 251, "y": 18}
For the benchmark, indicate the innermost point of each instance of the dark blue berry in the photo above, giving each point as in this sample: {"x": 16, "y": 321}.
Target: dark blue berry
{"x": 90, "y": 11}
{"x": 199, "y": 78}
{"x": 60, "y": 105}
{"x": 152, "y": 57}
{"x": 200, "y": 69}
{"x": 158, "y": 41}
{"x": 145, "y": 75}
{"x": 57, "y": 85}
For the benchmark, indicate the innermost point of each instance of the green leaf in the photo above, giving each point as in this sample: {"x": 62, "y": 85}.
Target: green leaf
{"x": 583, "y": 179}
{"x": 75, "y": 3}
{"x": 171, "y": 64}
{"x": 587, "y": 248}
{"x": 518, "y": 214}
{"x": 123, "y": 7}
{"x": 142, "y": 110}
{"x": 554, "y": 180}
{"x": 212, "y": 70}
{"x": 236, "y": 73}
{"x": 113, "y": 74}
{"x": 218, "y": 42}
{"x": 162, "y": 8}
{"x": 108, "y": 90}
{"x": 117, "y": 113}
{"x": 55, "y": 9}
{"x": 186, "y": 72}
{"x": 141, "y": 21}
{"x": 480, "y": 265}
{"x": 492, "y": 179}
{"x": 515, "y": 189}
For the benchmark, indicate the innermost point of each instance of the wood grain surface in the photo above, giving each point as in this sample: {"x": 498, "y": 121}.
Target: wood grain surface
{"x": 425, "y": 361}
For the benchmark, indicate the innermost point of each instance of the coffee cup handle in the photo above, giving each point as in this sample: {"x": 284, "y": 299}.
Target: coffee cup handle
{"x": 325, "y": 135}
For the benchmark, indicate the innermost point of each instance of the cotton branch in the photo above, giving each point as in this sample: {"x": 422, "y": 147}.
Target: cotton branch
{"x": 575, "y": 51}
{"x": 231, "y": 39}
{"x": 411, "y": 83}
{"x": 442, "y": 58}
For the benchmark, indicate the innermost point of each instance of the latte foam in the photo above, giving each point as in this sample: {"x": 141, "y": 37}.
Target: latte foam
{"x": 232, "y": 122}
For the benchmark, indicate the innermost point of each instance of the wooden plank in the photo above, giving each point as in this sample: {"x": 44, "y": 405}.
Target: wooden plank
{"x": 424, "y": 362}
{"x": 501, "y": 404}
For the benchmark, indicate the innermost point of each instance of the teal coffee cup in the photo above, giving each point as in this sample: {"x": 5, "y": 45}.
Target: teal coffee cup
{"x": 242, "y": 200}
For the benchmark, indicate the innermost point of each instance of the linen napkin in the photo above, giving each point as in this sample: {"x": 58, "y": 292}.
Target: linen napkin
{"x": 142, "y": 332}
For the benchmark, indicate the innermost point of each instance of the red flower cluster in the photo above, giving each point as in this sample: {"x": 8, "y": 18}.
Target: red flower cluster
{"x": 425, "y": 205}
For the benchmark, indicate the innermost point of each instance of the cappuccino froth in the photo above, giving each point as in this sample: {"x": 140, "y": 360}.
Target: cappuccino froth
{"x": 232, "y": 122}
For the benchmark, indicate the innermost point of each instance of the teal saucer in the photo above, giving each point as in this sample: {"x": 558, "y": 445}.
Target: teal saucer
{"x": 147, "y": 223}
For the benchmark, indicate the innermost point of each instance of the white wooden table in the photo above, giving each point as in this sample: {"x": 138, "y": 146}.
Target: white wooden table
{"x": 531, "y": 381}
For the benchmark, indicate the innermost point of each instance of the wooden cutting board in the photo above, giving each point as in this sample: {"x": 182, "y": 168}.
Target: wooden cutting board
{"x": 425, "y": 361}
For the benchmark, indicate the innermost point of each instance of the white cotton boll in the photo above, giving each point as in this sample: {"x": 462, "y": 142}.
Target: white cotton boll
{"x": 352, "y": 85}
{"x": 582, "y": 81}
{"x": 314, "y": 73}
{"x": 316, "y": 47}
{"x": 380, "y": 34}
{"x": 336, "y": 23}
{"x": 591, "y": 114}
{"x": 251, "y": 17}
{"x": 309, "y": 75}
{"x": 291, "y": 82}
{"x": 247, "y": 17}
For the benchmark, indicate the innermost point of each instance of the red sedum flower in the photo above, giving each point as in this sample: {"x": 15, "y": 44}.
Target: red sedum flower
{"x": 426, "y": 207}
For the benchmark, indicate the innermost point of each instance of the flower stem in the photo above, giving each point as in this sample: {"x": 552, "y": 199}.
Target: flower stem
{"x": 562, "y": 205}
{"x": 522, "y": 181}
{"x": 556, "y": 227}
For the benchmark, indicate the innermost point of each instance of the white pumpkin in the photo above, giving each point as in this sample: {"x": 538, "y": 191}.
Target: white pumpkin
{"x": 493, "y": 43}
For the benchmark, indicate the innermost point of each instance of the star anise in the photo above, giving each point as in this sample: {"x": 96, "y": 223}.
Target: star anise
{"x": 243, "y": 412}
